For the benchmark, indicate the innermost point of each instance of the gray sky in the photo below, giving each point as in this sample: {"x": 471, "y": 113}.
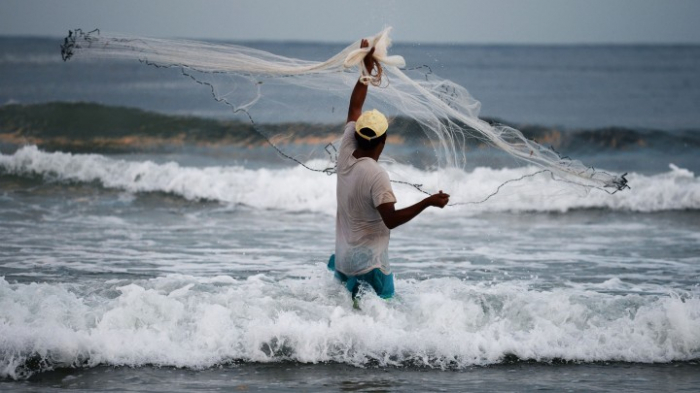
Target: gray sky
{"x": 467, "y": 21}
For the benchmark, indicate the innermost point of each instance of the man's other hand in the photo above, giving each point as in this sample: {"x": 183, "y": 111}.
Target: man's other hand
{"x": 438, "y": 200}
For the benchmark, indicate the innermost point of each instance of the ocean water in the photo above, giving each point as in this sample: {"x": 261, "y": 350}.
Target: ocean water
{"x": 193, "y": 264}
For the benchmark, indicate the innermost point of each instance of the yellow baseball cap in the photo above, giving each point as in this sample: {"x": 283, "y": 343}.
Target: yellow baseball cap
{"x": 375, "y": 121}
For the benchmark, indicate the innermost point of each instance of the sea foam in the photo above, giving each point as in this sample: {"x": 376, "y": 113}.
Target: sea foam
{"x": 443, "y": 323}
{"x": 297, "y": 189}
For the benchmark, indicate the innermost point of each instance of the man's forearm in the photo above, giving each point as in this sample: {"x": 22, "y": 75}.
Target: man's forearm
{"x": 399, "y": 217}
{"x": 393, "y": 218}
{"x": 357, "y": 100}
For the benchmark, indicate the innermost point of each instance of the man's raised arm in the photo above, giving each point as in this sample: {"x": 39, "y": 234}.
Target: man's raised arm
{"x": 359, "y": 93}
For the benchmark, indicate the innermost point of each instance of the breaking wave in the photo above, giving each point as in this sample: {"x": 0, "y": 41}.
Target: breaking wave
{"x": 444, "y": 323}
{"x": 297, "y": 189}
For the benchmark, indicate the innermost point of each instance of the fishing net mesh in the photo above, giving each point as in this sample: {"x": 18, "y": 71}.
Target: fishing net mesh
{"x": 298, "y": 107}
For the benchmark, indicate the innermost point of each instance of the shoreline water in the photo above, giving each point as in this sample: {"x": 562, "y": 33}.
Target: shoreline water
{"x": 167, "y": 282}
{"x": 283, "y": 377}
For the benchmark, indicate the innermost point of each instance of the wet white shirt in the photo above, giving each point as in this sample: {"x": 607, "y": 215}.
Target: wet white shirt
{"x": 361, "y": 237}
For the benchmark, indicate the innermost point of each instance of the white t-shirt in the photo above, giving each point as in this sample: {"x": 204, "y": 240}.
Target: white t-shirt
{"x": 361, "y": 238}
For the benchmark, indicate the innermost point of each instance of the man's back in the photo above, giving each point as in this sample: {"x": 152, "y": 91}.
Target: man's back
{"x": 362, "y": 238}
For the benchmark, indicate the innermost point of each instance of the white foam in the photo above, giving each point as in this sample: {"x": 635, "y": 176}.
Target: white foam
{"x": 185, "y": 321}
{"x": 297, "y": 189}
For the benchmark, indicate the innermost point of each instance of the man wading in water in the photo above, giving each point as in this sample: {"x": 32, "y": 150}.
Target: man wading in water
{"x": 366, "y": 201}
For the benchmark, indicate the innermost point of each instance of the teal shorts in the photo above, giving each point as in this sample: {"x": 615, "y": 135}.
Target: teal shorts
{"x": 383, "y": 284}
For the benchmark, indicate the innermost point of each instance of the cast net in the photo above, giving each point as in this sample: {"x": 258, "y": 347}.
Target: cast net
{"x": 298, "y": 107}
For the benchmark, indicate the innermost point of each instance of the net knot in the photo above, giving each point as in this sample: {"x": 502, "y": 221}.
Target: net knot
{"x": 620, "y": 183}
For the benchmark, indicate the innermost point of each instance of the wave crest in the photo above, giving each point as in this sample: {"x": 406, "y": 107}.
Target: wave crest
{"x": 444, "y": 323}
{"x": 297, "y": 189}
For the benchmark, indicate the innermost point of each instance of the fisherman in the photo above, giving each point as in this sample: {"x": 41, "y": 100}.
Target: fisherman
{"x": 366, "y": 212}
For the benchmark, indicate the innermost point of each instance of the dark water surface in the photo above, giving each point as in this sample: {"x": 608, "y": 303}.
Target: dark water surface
{"x": 518, "y": 377}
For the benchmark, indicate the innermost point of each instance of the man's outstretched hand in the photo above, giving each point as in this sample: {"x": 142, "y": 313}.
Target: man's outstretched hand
{"x": 368, "y": 60}
{"x": 438, "y": 200}
{"x": 359, "y": 93}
